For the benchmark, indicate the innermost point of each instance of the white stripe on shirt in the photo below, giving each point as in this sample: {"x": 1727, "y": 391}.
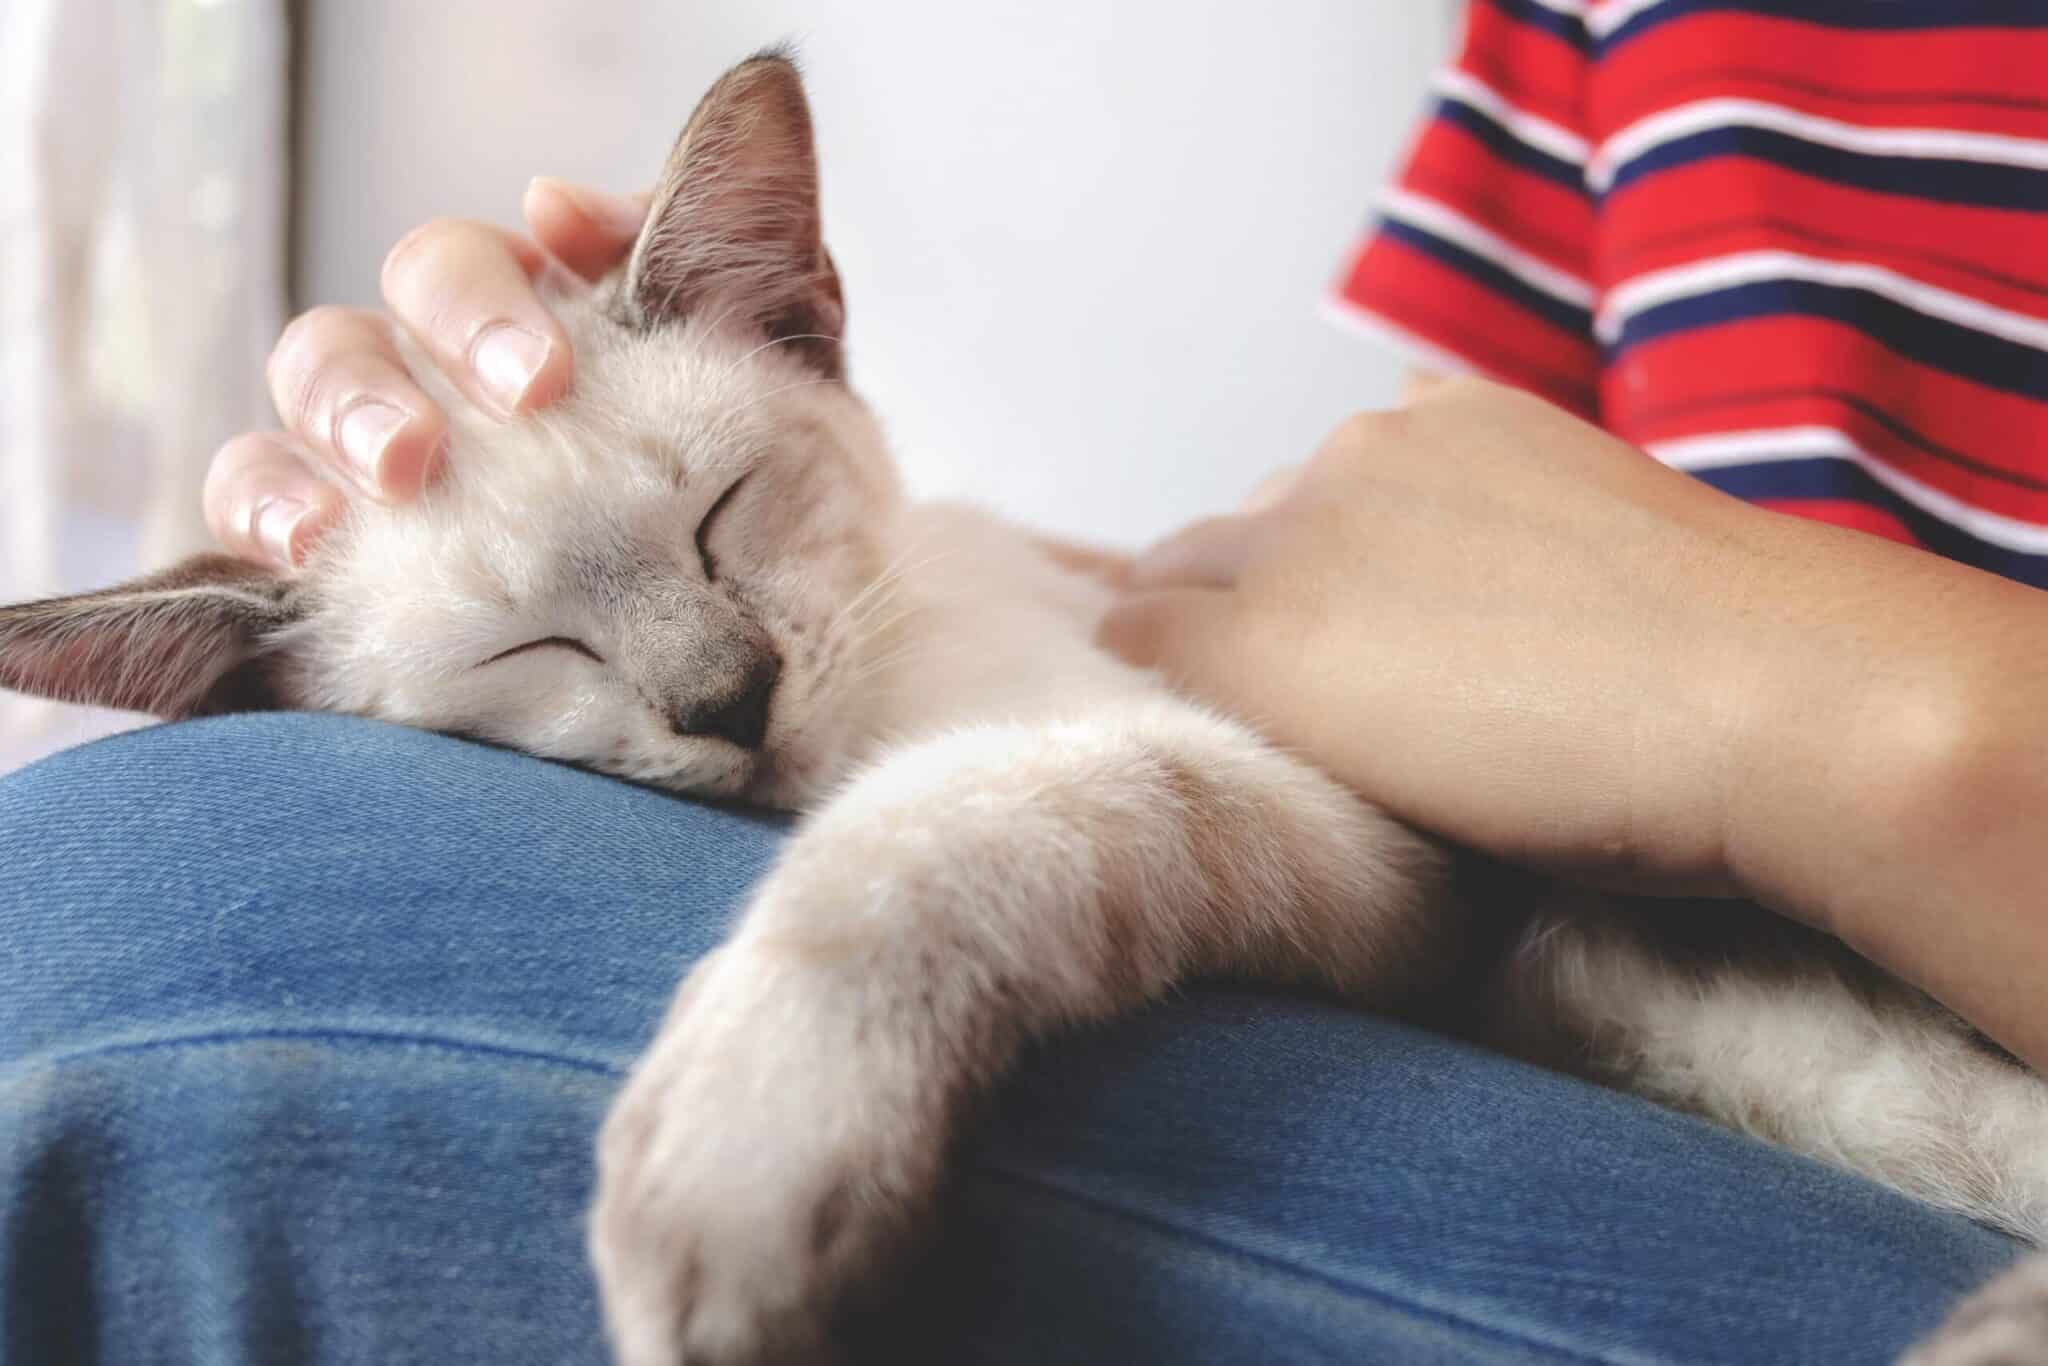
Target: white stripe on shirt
{"x": 1440, "y": 220}
{"x": 1531, "y": 129}
{"x": 1723, "y": 450}
{"x": 1696, "y": 278}
{"x": 1653, "y": 131}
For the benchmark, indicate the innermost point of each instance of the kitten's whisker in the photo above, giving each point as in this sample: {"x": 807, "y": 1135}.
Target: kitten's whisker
{"x": 852, "y": 621}
{"x": 873, "y": 664}
{"x": 876, "y": 620}
{"x": 924, "y": 650}
{"x": 872, "y": 596}
{"x": 882, "y": 583}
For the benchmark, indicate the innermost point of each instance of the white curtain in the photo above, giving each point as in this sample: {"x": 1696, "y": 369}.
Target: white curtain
{"x": 142, "y": 220}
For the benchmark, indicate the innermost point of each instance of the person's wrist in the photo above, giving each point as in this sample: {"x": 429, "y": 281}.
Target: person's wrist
{"x": 1712, "y": 699}
{"x": 1960, "y": 766}
{"x": 1875, "y": 750}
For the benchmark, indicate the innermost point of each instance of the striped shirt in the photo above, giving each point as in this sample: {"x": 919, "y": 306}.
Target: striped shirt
{"x": 1796, "y": 247}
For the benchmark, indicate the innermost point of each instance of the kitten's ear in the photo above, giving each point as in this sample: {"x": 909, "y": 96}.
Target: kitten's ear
{"x": 194, "y": 640}
{"x": 734, "y": 228}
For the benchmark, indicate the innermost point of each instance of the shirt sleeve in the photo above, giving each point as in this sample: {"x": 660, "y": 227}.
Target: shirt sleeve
{"x": 1479, "y": 259}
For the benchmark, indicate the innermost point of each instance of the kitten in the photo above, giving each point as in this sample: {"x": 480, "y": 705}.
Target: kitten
{"x": 699, "y": 571}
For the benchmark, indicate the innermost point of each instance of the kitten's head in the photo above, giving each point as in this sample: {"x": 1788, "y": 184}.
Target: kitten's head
{"x": 674, "y": 574}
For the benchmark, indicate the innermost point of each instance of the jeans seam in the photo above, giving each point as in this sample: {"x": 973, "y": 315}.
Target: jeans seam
{"x": 325, "y": 1034}
{"x": 1233, "y": 1248}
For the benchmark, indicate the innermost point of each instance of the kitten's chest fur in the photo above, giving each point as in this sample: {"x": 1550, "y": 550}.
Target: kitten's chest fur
{"x": 992, "y": 630}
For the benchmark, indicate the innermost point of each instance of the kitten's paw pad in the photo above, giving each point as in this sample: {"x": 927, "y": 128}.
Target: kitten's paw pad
{"x": 2004, "y": 1324}
{"x": 749, "y": 1174}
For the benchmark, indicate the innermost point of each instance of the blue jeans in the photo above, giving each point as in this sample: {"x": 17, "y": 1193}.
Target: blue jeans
{"x": 306, "y": 1025}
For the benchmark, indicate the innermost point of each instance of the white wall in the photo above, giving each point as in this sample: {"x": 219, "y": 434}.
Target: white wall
{"x": 1082, "y": 244}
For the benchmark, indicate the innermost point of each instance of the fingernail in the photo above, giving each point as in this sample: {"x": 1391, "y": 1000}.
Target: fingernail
{"x": 366, "y": 432}
{"x": 409, "y": 470}
{"x": 614, "y": 213}
{"x": 506, "y": 360}
{"x": 275, "y": 523}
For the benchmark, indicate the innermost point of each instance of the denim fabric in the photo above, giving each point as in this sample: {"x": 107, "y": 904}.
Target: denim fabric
{"x": 306, "y": 1025}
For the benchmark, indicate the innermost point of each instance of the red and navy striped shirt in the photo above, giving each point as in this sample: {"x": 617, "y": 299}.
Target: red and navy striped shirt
{"x": 1796, "y": 247}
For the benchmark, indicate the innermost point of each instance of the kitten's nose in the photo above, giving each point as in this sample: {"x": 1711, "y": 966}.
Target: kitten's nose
{"x": 741, "y": 715}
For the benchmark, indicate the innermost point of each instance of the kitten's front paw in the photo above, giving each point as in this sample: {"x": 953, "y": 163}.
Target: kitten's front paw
{"x": 2004, "y": 1324}
{"x": 766, "y": 1153}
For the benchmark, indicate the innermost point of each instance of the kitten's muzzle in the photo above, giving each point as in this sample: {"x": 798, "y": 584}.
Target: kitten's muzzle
{"x": 740, "y": 716}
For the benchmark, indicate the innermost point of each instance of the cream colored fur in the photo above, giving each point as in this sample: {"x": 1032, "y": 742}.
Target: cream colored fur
{"x": 1010, "y": 831}
{"x": 1007, "y": 832}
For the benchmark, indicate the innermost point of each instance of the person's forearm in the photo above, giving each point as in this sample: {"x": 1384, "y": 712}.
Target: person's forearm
{"x": 1512, "y": 630}
{"x": 1896, "y": 793}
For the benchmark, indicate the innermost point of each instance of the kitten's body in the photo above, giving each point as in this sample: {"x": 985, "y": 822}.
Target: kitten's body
{"x": 698, "y": 571}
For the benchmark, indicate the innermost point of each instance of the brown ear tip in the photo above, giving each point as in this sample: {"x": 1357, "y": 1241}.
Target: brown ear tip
{"x": 782, "y": 54}
{"x": 771, "y": 80}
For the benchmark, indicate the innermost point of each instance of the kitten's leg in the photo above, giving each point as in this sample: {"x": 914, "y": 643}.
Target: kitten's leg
{"x": 1794, "y": 1041}
{"x": 789, "y": 1124}
{"x": 2004, "y": 1324}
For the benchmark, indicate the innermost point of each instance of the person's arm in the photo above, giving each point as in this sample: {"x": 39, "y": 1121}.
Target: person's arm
{"x": 1899, "y": 761}
{"x": 1514, "y": 630}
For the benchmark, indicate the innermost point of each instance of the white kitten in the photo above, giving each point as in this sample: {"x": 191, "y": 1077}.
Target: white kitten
{"x": 698, "y": 571}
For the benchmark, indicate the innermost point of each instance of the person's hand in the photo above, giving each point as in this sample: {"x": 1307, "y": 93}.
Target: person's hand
{"x": 1511, "y": 629}
{"x": 355, "y": 425}
{"x": 1514, "y": 630}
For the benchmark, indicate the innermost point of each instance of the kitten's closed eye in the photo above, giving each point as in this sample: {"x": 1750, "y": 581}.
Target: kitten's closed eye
{"x": 704, "y": 527}
{"x": 550, "y": 642}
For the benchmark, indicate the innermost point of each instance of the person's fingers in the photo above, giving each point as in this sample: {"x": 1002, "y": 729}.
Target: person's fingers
{"x": 464, "y": 291}
{"x": 263, "y": 501}
{"x": 1206, "y": 554}
{"x": 587, "y": 230}
{"x": 339, "y": 385}
{"x": 1182, "y": 632}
